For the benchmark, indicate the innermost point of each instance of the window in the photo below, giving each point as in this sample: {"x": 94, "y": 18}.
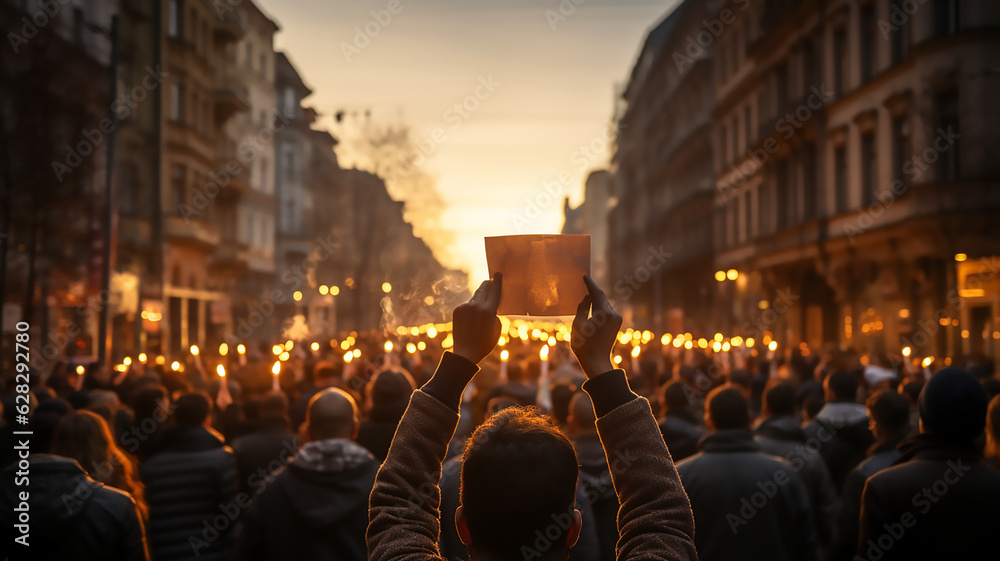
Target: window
{"x": 840, "y": 179}
{"x": 945, "y": 17}
{"x": 946, "y": 119}
{"x": 746, "y": 127}
{"x": 178, "y": 184}
{"x": 868, "y": 31}
{"x": 869, "y": 169}
{"x": 176, "y": 102}
{"x": 736, "y": 136}
{"x": 174, "y": 19}
{"x": 249, "y": 55}
{"x": 747, "y": 215}
{"x": 900, "y": 148}
{"x": 900, "y": 36}
{"x": 809, "y": 181}
{"x": 840, "y": 61}
{"x": 781, "y": 194}
{"x": 288, "y": 103}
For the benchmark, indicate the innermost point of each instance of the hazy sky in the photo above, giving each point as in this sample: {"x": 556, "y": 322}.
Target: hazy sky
{"x": 552, "y": 82}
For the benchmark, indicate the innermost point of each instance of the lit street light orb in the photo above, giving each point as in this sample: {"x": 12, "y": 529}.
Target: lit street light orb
{"x": 386, "y": 287}
{"x": 297, "y": 295}
{"x": 959, "y": 257}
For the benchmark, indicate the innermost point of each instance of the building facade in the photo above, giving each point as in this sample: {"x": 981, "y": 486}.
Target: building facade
{"x": 849, "y": 192}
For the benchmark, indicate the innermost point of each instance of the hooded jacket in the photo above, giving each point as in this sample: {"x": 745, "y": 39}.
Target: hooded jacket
{"x": 841, "y": 431}
{"x": 747, "y": 504}
{"x": 783, "y": 437}
{"x": 71, "y": 515}
{"x": 314, "y": 509}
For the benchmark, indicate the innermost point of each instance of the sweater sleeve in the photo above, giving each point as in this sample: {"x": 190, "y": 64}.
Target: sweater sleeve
{"x": 655, "y": 519}
{"x": 403, "y": 515}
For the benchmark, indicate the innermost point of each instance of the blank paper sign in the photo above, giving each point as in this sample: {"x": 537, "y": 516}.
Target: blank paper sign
{"x": 542, "y": 274}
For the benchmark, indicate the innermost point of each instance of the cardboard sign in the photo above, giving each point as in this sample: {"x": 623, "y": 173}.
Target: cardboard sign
{"x": 542, "y": 274}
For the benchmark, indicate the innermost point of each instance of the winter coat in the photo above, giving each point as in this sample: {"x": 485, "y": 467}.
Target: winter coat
{"x": 841, "y": 431}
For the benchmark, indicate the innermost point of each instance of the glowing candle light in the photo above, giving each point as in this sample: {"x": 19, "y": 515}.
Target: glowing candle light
{"x": 388, "y": 346}
{"x": 504, "y": 356}
{"x": 635, "y": 358}
{"x": 665, "y": 340}
{"x": 552, "y": 341}
{"x": 906, "y": 351}
{"x": 277, "y": 350}
{"x": 221, "y": 371}
{"x": 772, "y": 346}
{"x": 196, "y": 353}
{"x": 80, "y": 369}
{"x": 242, "y": 350}
{"x": 348, "y": 357}
{"x": 289, "y": 344}
{"x": 314, "y": 347}
{"x": 127, "y": 361}
{"x": 223, "y": 349}
{"x": 357, "y": 353}
{"x": 431, "y": 332}
{"x": 421, "y": 346}
{"x": 276, "y": 378}
{"x": 142, "y": 358}
{"x": 544, "y": 355}
{"x": 411, "y": 348}
{"x": 618, "y": 359}
{"x": 175, "y": 366}
{"x": 283, "y": 356}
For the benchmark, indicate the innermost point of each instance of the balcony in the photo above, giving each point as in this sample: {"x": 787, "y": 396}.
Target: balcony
{"x": 231, "y": 95}
{"x": 231, "y": 25}
{"x": 229, "y": 164}
{"x": 230, "y": 256}
{"x": 191, "y": 232}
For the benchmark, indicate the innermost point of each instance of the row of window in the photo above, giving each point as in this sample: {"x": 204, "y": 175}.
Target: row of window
{"x": 736, "y": 132}
{"x": 791, "y": 188}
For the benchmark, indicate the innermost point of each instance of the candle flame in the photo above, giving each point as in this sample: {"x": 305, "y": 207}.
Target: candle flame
{"x": 223, "y": 349}
{"x": 388, "y": 346}
{"x": 314, "y": 347}
{"x": 221, "y": 371}
{"x": 773, "y": 345}
{"x": 128, "y": 360}
{"x": 348, "y": 356}
{"x": 194, "y": 350}
{"x": 635, "y": 351}
{"x": 241, "y": 349}
{"x": 142, "y": 358}
{"x": 276, "y": 369}
{"x": 175, "y": 366}
{"x": 504, "y": 355}
{"x": 544, "y": 352}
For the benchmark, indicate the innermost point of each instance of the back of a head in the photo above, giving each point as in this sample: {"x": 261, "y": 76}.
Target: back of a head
{"x": 581, "y": 412}
{"x": 728, "y": 408}
{"x": 147, "y": 400}
{"x": 519, "y": 476}
{"x": 331, "y": 413}
{"x": 841, "y": 386}
{"x": 192, "y": 409}
{"x": 889, "y": 410}
{"x": 389, "y": 391}
{"x": 953, "y": 405}
{"x": 675, "y": 396}
{"x": 562, "y": 394}
{"x": 83, "y": 436}
{"x": 742, "y": 378}
{"x": 780, "y": 400}
{"x": 326, "y": 372}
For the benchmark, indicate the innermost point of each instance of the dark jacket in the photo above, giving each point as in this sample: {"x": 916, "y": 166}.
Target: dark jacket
{"x": 783, "y": 437}
{"x": 840, "y": 429}
{"x": 747, "y": 504}
{"x": 655, "y": 520}
{"x": 881, "y": 455}
{"x": 681, "y": 436}
{"x": 259, "y": 454}
{"x": 937, "y": 502}
{"x": 191, "y": 488}
{"x": 71, "y": 515}
{"x": 598, "y": 492}
{"x": 315, "y": 509}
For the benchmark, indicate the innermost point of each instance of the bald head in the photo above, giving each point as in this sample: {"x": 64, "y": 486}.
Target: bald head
{"x": 332, "y": 413}
{"x": 581, "y": 413}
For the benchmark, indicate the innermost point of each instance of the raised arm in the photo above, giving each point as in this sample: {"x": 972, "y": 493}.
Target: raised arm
{"x": 404, "y": 517}
{"x": 655, "y": 519}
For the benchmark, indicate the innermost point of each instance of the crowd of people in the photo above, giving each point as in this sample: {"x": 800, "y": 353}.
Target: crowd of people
{"x": 482, "y": 447}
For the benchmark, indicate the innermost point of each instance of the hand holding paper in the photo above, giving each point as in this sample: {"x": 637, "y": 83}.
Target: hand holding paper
{"x": 541, "y": 273}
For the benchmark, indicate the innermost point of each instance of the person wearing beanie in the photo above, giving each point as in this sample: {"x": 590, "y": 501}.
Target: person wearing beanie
{"x": 388, "y": 394}
{"x": 938, "y": 500}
